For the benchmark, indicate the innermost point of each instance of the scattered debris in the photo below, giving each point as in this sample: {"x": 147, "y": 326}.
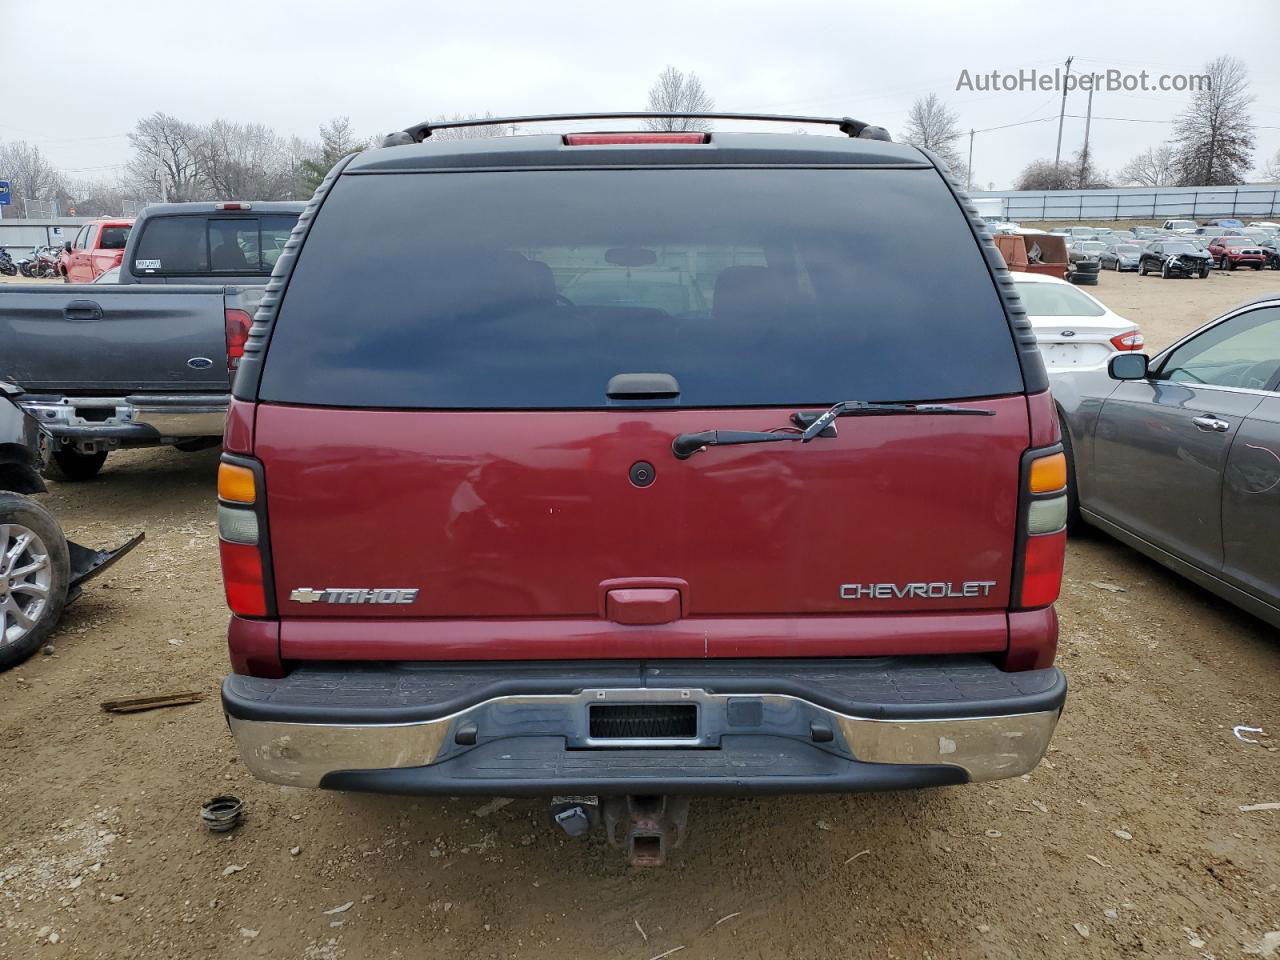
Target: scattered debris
{"x": 248, "y": 934}
{"x": 116, "y": 898}
{"x": 984, "y": 928}
{"x": 1123, "y": 834}
{"x": 728, "y": 917}
{"x": 823, "y": 825}
{"x": 1098, "y": 860}
{"x": 48, "y": 649}
{"x": 1266, "y": 947}
{"x": 1082, "y": 929}
{"x": 222, "y": 813}
{"x": 860, "y": 853}
{"x": 1237, "y": 731}
{"x": 342, "y": 908}
{"x": 994, "y": 834}
{"x": 668, "y": 953}
{"x": 294, "y": 851}
{"x": 643, "y": 936}
{"x": 138, "y": 704}
{"x": 493, "y": 806}
{"x": 1252, "y": 807}
{"x": 232, "y": 868}
{"x": 1109, "y": 587}
{"x": 1040, "y": 805}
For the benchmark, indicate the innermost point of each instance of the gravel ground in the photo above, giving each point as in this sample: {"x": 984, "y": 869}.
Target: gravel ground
{"x": 1127, "y": 841}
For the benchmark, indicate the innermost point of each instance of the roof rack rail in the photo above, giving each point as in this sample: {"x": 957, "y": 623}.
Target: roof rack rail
{"x": 421, "y": 131}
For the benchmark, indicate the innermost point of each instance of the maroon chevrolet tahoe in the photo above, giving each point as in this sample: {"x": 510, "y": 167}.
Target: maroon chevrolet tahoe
{"x": 618, "y": 468}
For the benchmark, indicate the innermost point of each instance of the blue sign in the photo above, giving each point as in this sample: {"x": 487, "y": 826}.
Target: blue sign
{"x": 4, "y": 192}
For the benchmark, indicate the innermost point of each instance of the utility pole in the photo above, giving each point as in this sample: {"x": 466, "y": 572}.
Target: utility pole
{"x": 969, "y": 188}
{"x": 1057, "y": 154}
{"x": 1084, "y": 154}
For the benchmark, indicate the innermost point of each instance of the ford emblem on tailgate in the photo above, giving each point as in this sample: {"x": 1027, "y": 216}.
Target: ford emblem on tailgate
{"x": 199, "y": 363}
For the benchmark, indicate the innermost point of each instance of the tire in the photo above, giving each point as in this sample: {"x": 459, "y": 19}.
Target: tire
{"x": 1117, "y": 264}
{"x": 77, "y": 467}
{"x": 1204, "y": 272}
{"x": 47, "y": 568}
{"x": 1142, "y": 268}
{"x": 1231, "y": 264}
{"x": 1164, "y": 270}
{"x": 1257, "y": 266}
{"x": 1074, "y": 522}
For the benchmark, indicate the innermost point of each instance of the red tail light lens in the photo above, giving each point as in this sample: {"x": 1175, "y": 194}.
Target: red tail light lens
{"x": 1133, "y": 340}
{"x": 237, "y": 327}
{"x": 1042, "y": 561}
{"x": 242, "y": 577}
{"x": 596, "y": 139}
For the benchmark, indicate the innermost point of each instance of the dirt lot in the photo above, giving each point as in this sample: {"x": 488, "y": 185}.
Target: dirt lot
{"x": 1127, "y": 841}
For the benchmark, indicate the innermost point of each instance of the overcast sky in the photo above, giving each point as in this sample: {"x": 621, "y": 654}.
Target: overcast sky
{"x": 75, "y": 85}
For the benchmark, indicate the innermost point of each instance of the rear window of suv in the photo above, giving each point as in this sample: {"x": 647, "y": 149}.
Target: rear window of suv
{"x": 187, "y": 246}
{"x": 532, "y": 289}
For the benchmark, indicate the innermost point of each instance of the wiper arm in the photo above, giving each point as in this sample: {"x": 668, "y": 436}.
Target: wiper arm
{"x": 864, "y": 408}
{"x": 686, "y": 445}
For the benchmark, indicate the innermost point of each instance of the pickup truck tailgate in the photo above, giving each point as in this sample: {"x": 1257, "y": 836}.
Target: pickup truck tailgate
{"x": 113, "y": 337}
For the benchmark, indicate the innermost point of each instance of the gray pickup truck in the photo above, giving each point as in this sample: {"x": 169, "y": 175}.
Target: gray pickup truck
{"x": 147, "y": 359}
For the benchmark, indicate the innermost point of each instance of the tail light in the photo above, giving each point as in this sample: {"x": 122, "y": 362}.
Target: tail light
{"x": 242, "y": 544}
{"x": 1042, "y": 540}
{"x": 597, "y": 139}
{"x": 233, "y": 206}
{"x": 1133, "y": 340}
{"x": 237, "y": 327}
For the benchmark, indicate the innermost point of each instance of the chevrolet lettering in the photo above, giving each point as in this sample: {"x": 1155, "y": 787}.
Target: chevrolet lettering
{"x": 931, "y": 591}
{"x": 355, "y": 595}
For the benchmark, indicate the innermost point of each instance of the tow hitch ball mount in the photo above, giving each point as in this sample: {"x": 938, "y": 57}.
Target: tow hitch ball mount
{"x": 646, "y": 827}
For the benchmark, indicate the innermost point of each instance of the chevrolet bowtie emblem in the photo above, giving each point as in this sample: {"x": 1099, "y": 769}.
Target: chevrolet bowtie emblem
{"x": 306, "y": 595}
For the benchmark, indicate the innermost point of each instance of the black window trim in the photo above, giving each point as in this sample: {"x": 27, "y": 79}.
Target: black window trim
{"x": 1034, "y": 375}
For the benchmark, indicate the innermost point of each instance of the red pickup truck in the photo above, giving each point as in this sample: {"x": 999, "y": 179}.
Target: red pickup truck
{"x": 98, "y": 247}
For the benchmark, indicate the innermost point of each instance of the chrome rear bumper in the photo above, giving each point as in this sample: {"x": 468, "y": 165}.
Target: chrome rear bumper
{"x": 140, "y": 417}
{"x": 744, "y": 742}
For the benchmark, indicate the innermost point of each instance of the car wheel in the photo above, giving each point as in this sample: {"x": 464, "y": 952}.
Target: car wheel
{"x": 34, "y": 572}
{"x": 1231, "y": 264}
{"x": 1117, "y": 265}
{"x": 1164, "y": 270}
{"x": 75, "y": 466}
{"x": 1204, "y": 271}
{"x": 1257, "y": 266}
{"x": 1074, "y": 522}
{"x": 1142, "y": 268}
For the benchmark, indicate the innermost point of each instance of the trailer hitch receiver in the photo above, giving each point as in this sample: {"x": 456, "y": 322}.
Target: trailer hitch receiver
{"x": 647, "y": 827}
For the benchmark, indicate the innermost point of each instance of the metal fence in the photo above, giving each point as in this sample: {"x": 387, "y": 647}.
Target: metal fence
{"x": 1140, "y": 203}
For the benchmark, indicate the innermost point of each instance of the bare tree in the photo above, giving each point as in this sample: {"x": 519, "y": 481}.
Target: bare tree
{"x": 1154, "y": 167}
{"x": 1042, "y": 175}
{"x": 932, "y": 125}
{"x": 166, "y": 161}
{"x": 29, "y": 173}
{"x": 1214, "y": 135}
{"x": 677, "y": 92}
{"x": 1271, "y": 171}
{"x": 244, "y": 161}
{"x": 469, "y": 133}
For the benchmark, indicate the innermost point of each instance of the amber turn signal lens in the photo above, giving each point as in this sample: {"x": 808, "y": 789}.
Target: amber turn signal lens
{"x": 235, "y": 483}
{"x": 1048, "y": 474}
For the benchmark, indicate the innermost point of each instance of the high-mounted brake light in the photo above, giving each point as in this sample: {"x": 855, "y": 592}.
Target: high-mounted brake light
{"x": 233, "y": 206}
{"x": 597, "y": 139}
{"x": 1133, "y": 340}
{"x": 1042, "y": 531}
{"x": 237, "y": 328}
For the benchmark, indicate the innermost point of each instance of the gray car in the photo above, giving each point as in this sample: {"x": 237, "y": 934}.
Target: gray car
{"x": 1180, "y": 459}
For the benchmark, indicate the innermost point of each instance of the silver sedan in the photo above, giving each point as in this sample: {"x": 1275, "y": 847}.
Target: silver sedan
{"x": 1180, "y": 456}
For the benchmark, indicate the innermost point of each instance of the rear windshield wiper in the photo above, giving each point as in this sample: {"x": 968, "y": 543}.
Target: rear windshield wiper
{"x": 687, "y": 444}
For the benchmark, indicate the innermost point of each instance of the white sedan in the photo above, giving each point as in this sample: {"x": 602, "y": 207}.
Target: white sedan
{"x": 1077, "y": 334}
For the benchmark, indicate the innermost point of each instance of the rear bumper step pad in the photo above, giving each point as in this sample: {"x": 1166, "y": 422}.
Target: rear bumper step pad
{"x": 761, "y": 726}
